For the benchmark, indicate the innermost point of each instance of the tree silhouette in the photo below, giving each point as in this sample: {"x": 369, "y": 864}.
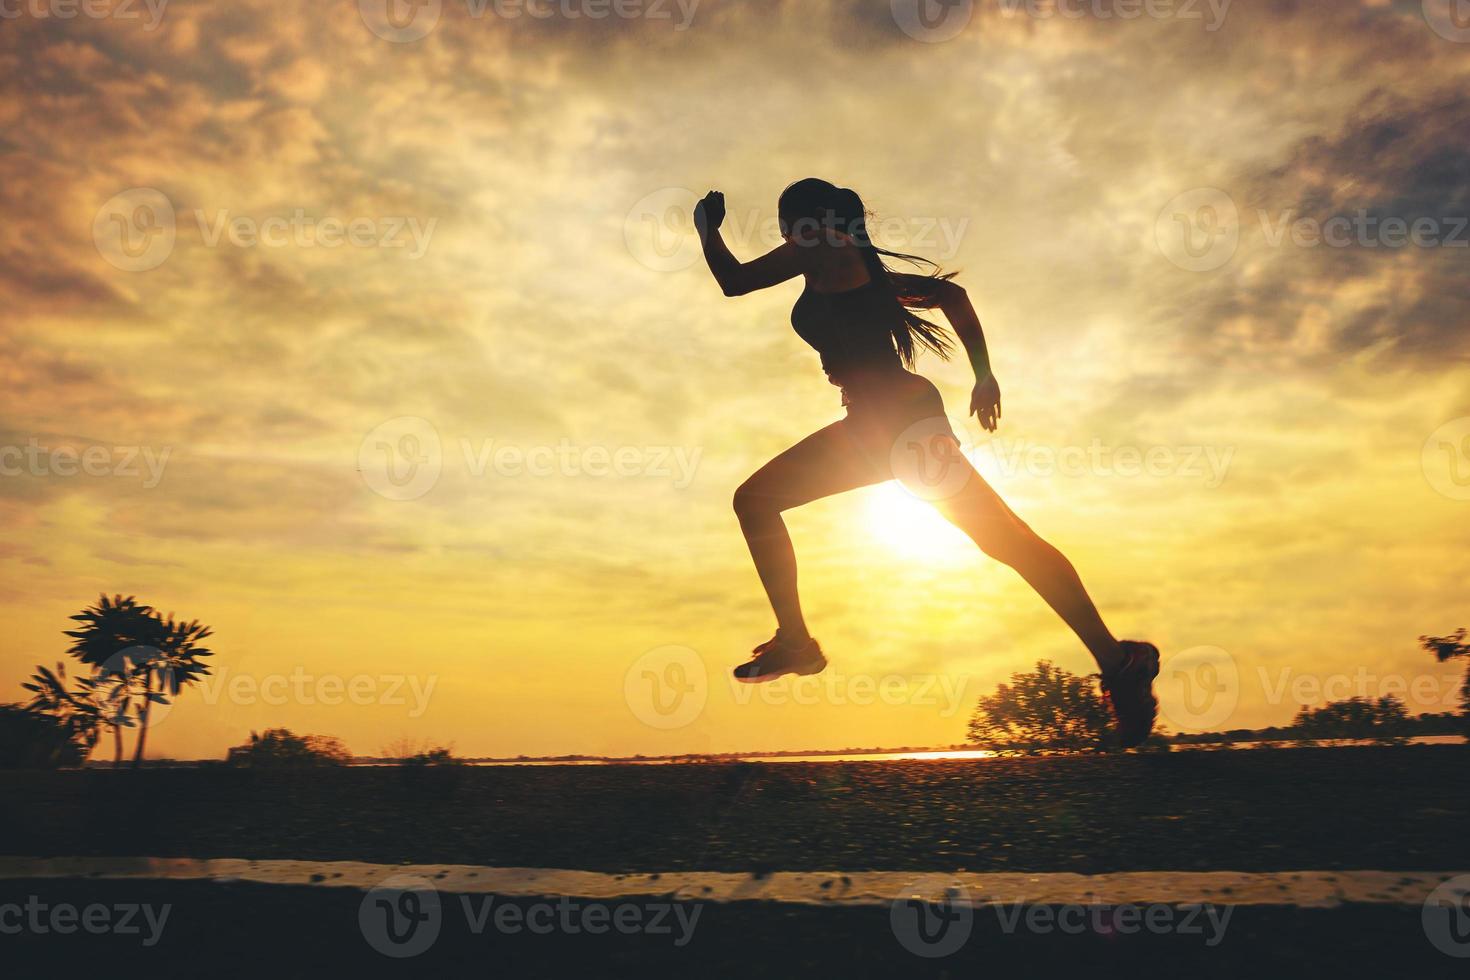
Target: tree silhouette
{"x": 81, "y": 712}
{"x": 1384, "y": 720}
{"x": 281, "y": 748}
{"x": 139, "y": 659}
{"x": 1447, "y": 648}
{"x": 33, "y": 740}
{"x": 1048, "y": 708}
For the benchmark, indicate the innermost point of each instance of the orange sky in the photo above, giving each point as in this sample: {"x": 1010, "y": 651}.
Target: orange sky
{"x": 349, "y": 253}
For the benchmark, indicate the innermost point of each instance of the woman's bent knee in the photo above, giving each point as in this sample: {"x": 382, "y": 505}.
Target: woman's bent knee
{"x": 749, "y": 502}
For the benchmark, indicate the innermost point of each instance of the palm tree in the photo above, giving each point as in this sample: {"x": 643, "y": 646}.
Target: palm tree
{"x": 140, "y": 657}
{"x": 174, "y": 665}
{"x": 78, "y": 713}
{"x": 117, "y": 633}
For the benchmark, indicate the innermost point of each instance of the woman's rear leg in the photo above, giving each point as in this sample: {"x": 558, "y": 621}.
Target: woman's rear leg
{"x": 977, "y": 509}
{"x": 827, "y": 462}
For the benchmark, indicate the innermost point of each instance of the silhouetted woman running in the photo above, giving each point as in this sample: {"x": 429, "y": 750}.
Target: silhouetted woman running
{"x": 858, "y": 315}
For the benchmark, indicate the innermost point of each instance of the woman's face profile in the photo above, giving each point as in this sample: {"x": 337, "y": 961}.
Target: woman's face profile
{"x": 804, "y": 231}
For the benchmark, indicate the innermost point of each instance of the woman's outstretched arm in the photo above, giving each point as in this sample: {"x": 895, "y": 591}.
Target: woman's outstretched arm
{"x": 736, "y": 278}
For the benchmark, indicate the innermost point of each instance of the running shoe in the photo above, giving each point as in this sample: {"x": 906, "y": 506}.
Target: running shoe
{"x": 773, "y": 659}
{"x": 1129, "y": 688}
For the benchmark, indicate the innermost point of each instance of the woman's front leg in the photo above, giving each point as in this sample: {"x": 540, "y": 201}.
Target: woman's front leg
{"x": 827, "y": 462}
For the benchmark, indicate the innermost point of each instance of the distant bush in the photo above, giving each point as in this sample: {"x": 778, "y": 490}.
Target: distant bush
{"x": 412, "y": 752}
{"x": 31, "y": 740}
{"x": 1384, "y": 720}
{"x": 1049, "y": 709}
{"x": 280, "y": 748}
{"x": 439, "y": 756}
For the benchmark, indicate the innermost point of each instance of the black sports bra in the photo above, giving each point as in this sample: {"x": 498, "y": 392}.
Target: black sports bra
{"x": 852, "y": 330}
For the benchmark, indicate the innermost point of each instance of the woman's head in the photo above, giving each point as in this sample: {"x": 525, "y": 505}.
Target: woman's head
{"x": 815, "y": 211}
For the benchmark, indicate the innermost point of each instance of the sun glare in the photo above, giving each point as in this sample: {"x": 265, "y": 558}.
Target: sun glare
{"x": 912, "y": 527}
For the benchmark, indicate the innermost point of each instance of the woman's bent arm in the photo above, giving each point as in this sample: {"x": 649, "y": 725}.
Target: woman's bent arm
{"x": 736, "y": 278}
{"x": 960, "y": 312}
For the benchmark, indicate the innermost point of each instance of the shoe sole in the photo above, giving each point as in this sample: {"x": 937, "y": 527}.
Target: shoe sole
{"x": 806, "y": 670}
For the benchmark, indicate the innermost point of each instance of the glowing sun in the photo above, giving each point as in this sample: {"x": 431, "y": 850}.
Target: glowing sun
{"x": 912, "y": 527}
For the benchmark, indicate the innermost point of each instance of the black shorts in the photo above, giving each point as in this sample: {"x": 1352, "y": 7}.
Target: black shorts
{"x": 897, "y": 417}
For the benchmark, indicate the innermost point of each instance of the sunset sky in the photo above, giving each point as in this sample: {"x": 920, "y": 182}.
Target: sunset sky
{"x": 257, "y": 259}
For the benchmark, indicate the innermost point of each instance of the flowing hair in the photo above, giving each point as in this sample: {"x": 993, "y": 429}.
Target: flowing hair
{"x": 827, "y": 207}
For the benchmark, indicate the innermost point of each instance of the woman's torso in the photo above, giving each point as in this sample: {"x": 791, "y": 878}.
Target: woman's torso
{"x": 852, "y": 330}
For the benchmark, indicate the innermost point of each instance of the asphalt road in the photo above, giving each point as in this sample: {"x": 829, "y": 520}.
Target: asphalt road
{"x": 1260, "y": 810}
